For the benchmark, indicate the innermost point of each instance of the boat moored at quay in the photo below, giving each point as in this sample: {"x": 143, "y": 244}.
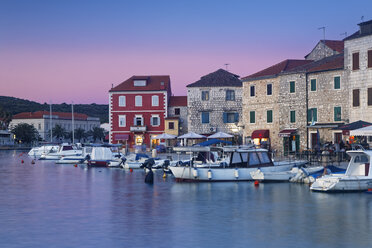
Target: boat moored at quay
{"x": 358, "y": 175}
{"x": 236, "y": 164}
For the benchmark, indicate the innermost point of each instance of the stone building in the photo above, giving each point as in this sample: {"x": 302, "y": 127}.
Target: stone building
{"x": 358, "y": 70}
{"x": 326, "y": 48}
{"x": 262, "y": 114}
{"x": 299, "y": 89}
{"x": 215, "y": 103}
{"x": 176, "y": 123}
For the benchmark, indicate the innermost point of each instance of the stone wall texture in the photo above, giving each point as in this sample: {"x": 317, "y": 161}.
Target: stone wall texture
{"x": 216, "y": 106}
{"x": 359, "y": 79}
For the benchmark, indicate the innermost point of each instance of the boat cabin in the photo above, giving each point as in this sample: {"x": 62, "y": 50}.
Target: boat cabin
{"x": 250, "y": 158}
{"x": 359, "y": 164}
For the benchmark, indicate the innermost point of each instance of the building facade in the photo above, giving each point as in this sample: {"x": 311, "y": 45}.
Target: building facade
{"x": 176, "y": 123}
{"x": 215, "y": 104}
{"x": 306, "y": 97}
{"x": 138, "y": 108}
{"x": 43, "y": 122}
{"x": 358, "y": 70}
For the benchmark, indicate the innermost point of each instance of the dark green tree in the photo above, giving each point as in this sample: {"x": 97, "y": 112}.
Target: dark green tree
{"x": 80, "y": 134}
{"x": 59, "y": 132}
{"x": 97, "y": 133}
{"x": 5, "y": 118}
{"x": 25, "y": 133}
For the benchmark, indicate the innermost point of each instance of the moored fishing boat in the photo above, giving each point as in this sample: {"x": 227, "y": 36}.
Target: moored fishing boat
{"x": 358, "y": 176}
{"x": 63, "y": 150}
{"x": 236, "y": 166}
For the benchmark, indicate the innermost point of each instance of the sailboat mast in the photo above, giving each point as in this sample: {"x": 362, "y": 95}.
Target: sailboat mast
{"x": 50, "y": 123}
{"x": 73, "y": 128}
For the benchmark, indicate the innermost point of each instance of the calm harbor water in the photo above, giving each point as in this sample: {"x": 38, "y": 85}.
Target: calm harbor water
{"x": 49, "y": 205}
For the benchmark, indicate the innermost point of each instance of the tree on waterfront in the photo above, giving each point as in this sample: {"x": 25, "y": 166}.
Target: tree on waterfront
{"x": 5, "y": 119}
{"x": 25, "y": 133}
{"x": 59, "y": 132}
{"x": 80, "y": 134}
{"x": 97, "y": 133}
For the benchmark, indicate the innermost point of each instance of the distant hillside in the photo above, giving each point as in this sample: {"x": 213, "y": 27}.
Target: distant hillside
{"x": 15, "y": 105}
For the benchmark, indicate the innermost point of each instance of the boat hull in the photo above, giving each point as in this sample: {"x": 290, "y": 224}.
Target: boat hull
{"x": 338, "y": 183}
{"x": 221, "y": 174}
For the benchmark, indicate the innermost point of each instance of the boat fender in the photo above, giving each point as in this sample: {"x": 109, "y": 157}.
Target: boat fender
{"x": 209, "y": 174}
{"x": 131, "y": 170}
{"x": 256, "y": 183}
{"x": 22, "y": 161}
{"x": 236, "y": 173}
{"x": 195, "y": 173}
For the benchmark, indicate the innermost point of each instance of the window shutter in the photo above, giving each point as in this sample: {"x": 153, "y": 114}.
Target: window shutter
{"x": 355, "y": 61}
{"x": 224, "y": 116}
{"x": 134, "y": 121}
{"x": 337, "y": 113}
{"x": 369, "y": 96}
{"x": 337, "y": 83}
{"x": 315, "y": 114}
{"x": 370, "y": 59}
{"x": 356, "y": 98}
{"x": 236, "y": 117}
{"x": 313, "y": 84}
{"x": 252, "y": 117}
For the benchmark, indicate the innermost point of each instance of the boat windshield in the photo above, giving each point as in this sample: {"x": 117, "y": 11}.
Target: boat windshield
{"x": 250, "y": 159}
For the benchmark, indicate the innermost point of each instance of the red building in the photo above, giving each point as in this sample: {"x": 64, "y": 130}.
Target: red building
{"x": 138, "y": 107}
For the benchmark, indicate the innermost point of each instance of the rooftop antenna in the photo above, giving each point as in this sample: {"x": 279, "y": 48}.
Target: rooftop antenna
{"x": 362, "y": 18}
{"x": 344, "y": 33}
{"x": 226, "y": 66}
{"x": 323, "y": 32}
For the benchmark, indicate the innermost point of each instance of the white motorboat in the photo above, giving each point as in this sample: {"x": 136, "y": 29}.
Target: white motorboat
{"x": 240, "y": 163}
{"x": 134, "y": 161}
{"x": 284, "y": 175}
{"x": 63, "y": 150}
{"x": 103, "y": 157}
{"x": 36, "y": 152}
{"x": 358, "y": 176}
{"x": 76, "y": 159}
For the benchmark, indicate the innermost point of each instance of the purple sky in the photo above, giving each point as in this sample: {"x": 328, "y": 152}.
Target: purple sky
{"x": 73, "y": 50}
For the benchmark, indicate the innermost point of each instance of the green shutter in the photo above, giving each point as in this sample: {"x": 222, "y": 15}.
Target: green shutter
{"x": 224, "y": 116}
{"x": 315, "y": 114}
{"x": 252, "y": 116}
{"x": 292, "y": 87}
{"x": 313, "y": 84}
{"x": 337, "y": 113}
{"x": 293, "y": 116}
{"x": 337, "y": 84}
{"x": 269, "y": 116}
{"x": 236, "y": 117}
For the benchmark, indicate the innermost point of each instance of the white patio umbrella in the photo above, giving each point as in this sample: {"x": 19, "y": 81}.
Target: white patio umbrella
{"x": 165, "y": 136}
{"x": 364, "y": 131}
{"x": 220, "y": 135}
{"x": 191, "y": 135}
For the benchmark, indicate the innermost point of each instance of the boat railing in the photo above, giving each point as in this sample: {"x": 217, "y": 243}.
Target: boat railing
{"x": 313, "y": 158}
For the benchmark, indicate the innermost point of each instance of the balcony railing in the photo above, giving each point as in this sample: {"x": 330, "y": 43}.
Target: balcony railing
{"x": 138, "y": 128}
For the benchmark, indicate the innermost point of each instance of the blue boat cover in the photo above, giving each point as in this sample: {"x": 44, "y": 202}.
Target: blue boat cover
{"x": 213, "y": 142}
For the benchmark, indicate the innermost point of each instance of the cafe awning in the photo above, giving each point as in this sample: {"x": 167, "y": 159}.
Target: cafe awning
{"x": 259, "y": 134}
{"x": 287, "y": 132}
{"x": 119, "y": 136}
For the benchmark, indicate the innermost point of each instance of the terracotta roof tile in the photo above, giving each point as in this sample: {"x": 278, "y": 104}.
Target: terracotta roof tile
{"x": 276, "y": 69}
{"x": 335, "y": 45}
{"x": 329, "y": 63}
{"x": 177, "y": 101}
{"x": 154, "y": 83}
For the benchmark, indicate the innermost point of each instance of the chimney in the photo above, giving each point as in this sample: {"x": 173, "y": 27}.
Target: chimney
{"x": 365, "y": 28}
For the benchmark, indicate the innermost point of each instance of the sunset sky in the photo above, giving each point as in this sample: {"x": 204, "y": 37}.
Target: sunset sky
{"x": 74, "y": 50}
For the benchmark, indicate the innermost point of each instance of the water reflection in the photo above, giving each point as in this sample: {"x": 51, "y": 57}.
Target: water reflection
{"x": 48, "y": 205}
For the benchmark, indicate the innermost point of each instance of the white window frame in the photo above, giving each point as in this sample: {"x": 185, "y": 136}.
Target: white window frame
{"x": 135, "y": 120}
{"x": 152, "y": 120}
{"x": 155, "y": 100}
{"x": 122, "y": 101}
{"x": 138, "y": 101}
{"x": 122, "y": 121}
